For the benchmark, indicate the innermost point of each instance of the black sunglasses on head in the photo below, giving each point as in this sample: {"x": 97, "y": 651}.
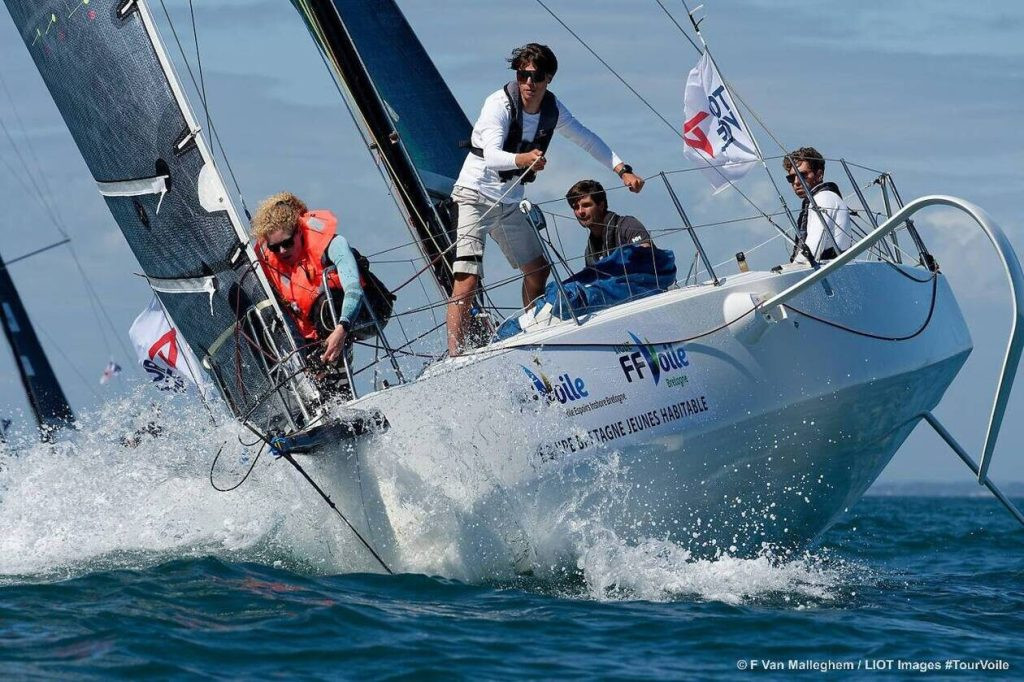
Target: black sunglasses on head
{"x": 538, "y": 76}
{"x": 283, "y": 244}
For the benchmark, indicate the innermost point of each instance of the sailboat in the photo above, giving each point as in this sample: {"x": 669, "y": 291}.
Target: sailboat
{"x": 680, "y": 415}
{"x": 45, "y": 395}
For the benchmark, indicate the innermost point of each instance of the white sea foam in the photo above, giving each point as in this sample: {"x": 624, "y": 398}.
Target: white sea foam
{"x": 458, "y": 510}
{"x": 90, "y": 502}
{"x": 659, "y": 570}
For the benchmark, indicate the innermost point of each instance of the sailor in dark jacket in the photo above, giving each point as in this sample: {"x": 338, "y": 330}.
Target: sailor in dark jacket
{"x": 608, "y": 230}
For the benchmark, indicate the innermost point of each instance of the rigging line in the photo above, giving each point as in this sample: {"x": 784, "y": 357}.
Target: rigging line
{"x": 681, "y": 29}
{"x": 199, "y": 65}
{"x": 609, "y": 67}
{"x": 43, "y": 198}
{"x": 467, "y": 236}
{"x": 55, "y": 220}
{"x": 50, "y": 210}
{"x": 216, "y": 457}
{"x": 433, "y": 316}
{"x": 666, "y": 230}
{"x": 401, "y": 349}
{"x": 288, "y": 457}
{"x": 367, "y": 142}
{"x": 735, "y": 93}
{"x": 511, "y": 279}
{"x": 214, "y": 136}
{"x": 416, "y": 242}
{"x": 423, "y": 335}
{"x": 750, "y": 250}
{"x": 47, "y": 208}
{"x": 291, "y": 460}
{"x": 94, "y": 296}
{"x": 867, "y": 168}
{"x": 35, "y": 252}
{"x": 96, "y": 316}
{"x": 677, "y": 132}
{"x": 74, "y": 368}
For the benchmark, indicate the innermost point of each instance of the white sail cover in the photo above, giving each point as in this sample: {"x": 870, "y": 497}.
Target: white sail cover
{"x": 715, "y": 135}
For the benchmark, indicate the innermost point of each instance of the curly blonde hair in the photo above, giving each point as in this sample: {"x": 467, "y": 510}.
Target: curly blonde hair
{"x": 279, "y": 211}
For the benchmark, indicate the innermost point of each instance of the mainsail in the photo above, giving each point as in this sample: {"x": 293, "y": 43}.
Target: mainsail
{"x": 407, "y": 111}
{"x": 44, "y": 393}
{"x": 116, "y": 89}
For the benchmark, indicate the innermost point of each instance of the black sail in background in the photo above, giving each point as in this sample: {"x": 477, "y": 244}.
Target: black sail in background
{"x": 407, "y": 109}
{"x": 44, "y": 393}
{"x": 114, "y": 85}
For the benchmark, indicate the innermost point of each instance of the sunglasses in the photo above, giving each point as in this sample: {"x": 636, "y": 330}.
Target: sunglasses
{"x": 792, "y": 176}
{"x": 281, "y": 245}
{"x": 538, "y": 76}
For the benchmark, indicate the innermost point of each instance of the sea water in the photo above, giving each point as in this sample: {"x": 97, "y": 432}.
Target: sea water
{"x": 118, "y": 558}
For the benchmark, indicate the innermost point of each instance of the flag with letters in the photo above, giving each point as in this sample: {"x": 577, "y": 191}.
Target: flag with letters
{"x": 165, "y": 357}
{"x": 715, "y": 135}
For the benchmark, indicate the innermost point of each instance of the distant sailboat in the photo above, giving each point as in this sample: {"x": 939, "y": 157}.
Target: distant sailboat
{"x": 43, "y": 390}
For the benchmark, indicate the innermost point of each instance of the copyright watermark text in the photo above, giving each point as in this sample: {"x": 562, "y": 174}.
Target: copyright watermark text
{"x": 874, "y": 664}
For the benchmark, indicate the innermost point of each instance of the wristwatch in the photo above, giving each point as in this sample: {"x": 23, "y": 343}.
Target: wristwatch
{"x": 626, "y": 168}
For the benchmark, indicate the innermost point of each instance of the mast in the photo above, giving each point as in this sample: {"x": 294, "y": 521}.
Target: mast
{"x": 49, "y": 405}
{"x": 405, "y": 110}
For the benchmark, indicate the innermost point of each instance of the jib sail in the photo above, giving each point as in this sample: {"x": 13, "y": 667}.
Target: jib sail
{"x": 407, "y": 110}
{"x": 44, "y": 393}
{"x": 108, "y": 73}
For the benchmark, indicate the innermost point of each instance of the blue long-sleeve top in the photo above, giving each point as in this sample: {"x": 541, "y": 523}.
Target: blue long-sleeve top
{"x": 340, "y": 254}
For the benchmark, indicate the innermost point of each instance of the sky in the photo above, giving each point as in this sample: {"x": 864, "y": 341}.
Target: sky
{"x": 929, "y": 90}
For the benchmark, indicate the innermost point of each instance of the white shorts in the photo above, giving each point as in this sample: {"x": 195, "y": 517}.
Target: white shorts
{"x": 515, "y": 235}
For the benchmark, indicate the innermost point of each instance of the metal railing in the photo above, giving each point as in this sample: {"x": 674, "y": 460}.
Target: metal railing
{"x": 1011, "y": 360}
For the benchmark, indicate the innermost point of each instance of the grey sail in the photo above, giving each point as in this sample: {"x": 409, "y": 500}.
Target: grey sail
{"x": 406, "y": 108}
{"x": 42, "y": 388}
{"x": 115, "y": 87}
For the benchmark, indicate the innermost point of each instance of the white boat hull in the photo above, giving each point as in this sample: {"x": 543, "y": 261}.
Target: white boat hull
{"x": 734, "y": 442}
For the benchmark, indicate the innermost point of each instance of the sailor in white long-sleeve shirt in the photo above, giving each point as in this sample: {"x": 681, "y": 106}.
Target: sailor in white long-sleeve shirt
{"x": 824, "y": 225}
{"x": 510, "y": 139}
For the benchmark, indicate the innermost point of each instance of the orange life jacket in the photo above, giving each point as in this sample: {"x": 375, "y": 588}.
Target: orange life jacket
{"x": 301, "y": 283}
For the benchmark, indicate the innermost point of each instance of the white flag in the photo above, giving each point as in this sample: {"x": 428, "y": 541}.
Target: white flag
{"x": 167, "y": 359}
{"x": 714, "y": 134}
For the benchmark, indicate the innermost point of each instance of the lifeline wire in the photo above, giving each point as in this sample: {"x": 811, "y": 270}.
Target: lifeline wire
{"x": 836, "y": 325}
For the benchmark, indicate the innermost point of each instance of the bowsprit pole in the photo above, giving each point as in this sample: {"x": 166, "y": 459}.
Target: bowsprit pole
{"x": 330, "y": 503}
